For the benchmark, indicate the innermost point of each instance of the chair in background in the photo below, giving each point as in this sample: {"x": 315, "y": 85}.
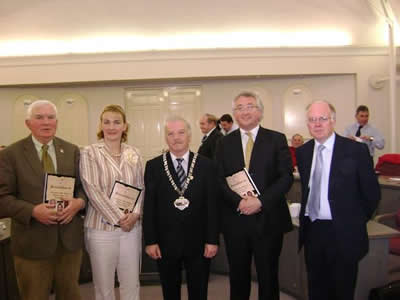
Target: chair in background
{"x": 389, "y": 164}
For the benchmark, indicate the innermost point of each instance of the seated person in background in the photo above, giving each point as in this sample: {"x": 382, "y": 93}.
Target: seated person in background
{"x": 297, "y": 141}
{"x": 2, "y": 147}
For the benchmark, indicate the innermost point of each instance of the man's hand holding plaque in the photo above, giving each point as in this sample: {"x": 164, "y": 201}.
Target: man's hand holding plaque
{"x": 70, "y": 209}
{"x": 59, "y": 205}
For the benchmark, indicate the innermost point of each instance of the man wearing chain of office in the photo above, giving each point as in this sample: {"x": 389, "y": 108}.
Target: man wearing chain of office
{"x": 180, "y": 221}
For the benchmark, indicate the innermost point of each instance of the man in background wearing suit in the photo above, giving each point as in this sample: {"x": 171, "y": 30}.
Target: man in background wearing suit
{"x": 180, "y": 221}
{"x": 211, "y": 136}
{"x": 254, "y": 226}
{"x": 46, "y": 245}
{"x": 340, "y": 192}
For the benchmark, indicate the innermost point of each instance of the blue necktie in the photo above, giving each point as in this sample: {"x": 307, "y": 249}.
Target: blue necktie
{"x": 314, "y": 201}
{"x": 180, "y": 172}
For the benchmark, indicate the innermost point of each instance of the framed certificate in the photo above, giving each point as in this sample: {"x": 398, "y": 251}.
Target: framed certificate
{"x": 125, "y": 196}
{"x": 242, "y": 184}
{"x": 56, "y": 187}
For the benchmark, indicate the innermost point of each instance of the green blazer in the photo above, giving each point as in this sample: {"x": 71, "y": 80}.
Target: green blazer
{"x": 21, "y": 188}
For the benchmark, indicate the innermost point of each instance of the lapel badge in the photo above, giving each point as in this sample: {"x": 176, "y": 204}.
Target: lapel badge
{"x": 62, "y": 150}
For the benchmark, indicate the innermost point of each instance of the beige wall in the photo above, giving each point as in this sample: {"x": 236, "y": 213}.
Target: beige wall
{"x": 339, "y": 75}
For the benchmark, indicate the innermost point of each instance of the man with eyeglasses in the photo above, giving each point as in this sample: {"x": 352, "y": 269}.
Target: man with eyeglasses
{"x": 363, "y": 132}
{"x": 340, "y": 192}
{"x": 253, "y": 226}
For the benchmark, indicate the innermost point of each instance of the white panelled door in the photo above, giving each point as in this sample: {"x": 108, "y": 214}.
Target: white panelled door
{"x": 148, "y": 108}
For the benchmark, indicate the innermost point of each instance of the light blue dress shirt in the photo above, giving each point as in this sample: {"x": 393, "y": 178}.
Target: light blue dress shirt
{"x": 378, "y": 142}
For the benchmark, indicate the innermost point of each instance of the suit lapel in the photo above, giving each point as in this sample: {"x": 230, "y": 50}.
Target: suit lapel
{"x": 308, "y": 157}
{"x": 237, "y": 149}
{"x": 336, "y": 158}
{"x": 32, "y": 156}
{"x": 172, "y": 170}
{"x": 60, "y": 156}
{"x": 108, "y": 157}
{"x": 259, "y": 149}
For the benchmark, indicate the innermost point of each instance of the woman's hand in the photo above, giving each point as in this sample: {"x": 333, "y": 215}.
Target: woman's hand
{"x": 128, "y": 221}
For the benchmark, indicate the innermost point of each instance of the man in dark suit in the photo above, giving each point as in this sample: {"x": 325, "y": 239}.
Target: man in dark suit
{"x": 340, "y": 192}
{"x": 46, "y": 245}
{"x": 180, "y": 221}
{"x": 254, "y": 226}
{"x": 211, "y": 136}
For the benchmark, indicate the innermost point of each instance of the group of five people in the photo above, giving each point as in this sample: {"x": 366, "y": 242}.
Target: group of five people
{"x": 185, "y": 204}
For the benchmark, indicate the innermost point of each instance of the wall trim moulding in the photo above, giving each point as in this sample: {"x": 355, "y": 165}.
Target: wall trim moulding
{"x": 190, "y": 55}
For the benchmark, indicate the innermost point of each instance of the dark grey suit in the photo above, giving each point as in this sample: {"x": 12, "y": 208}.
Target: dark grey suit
{"x": 181, "y": 235}
{"x": 208, "y": 147}
{"x": 259, "y": 234}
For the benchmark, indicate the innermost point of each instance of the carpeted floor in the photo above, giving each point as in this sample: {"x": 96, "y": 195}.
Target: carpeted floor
{"x": 218, "y": 289}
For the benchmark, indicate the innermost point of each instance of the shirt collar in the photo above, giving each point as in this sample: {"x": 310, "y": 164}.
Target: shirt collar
{"x": 328, "y": 143}
{"x": 39, "y": 145}
{"x": 254, "y": 131}
{"x": 363, "y": 126}
{"x": 184, "y": 156}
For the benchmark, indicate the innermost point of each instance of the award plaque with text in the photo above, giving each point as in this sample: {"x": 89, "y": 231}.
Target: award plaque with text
{"x": 125, "y": 196}
{"x": 57, "y": 187}
{"x": 242, "y": 184}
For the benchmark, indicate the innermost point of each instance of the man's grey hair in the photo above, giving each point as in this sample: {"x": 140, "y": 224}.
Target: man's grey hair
{"x": 39, "y": 103}
{"x": 331, "y": 107}
{"x": 176, "y": 118}
{"x": 249, "y": 94}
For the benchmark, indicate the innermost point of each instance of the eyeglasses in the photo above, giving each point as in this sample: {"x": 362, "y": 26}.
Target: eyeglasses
{"x": 245, "y": 108}
{"x": 320, "y": 120}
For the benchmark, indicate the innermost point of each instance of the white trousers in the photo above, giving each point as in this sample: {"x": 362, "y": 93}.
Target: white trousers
{"x": 116, "y": 250}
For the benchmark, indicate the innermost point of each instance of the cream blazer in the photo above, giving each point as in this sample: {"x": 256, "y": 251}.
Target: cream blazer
{"x": 98, "y": 172}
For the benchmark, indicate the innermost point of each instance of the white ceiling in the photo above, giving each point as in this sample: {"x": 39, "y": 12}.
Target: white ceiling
{"x": 32, "y": 20}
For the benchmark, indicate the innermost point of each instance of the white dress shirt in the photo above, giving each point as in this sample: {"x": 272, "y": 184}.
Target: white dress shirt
{"x": 184, "y": 163}
{"x": 325, "y": 209}
{"x": 245, "y": 137}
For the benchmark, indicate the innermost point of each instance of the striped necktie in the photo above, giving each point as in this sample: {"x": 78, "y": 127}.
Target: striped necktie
{"x": 47, "y": 162}
{"x": 180, "y": 172}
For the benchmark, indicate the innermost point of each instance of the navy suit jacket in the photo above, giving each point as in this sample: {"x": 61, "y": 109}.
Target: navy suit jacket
{"x": 180, "y": 232}
{"x": 353, "y": 193}
{"x": 271, "y": 170}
